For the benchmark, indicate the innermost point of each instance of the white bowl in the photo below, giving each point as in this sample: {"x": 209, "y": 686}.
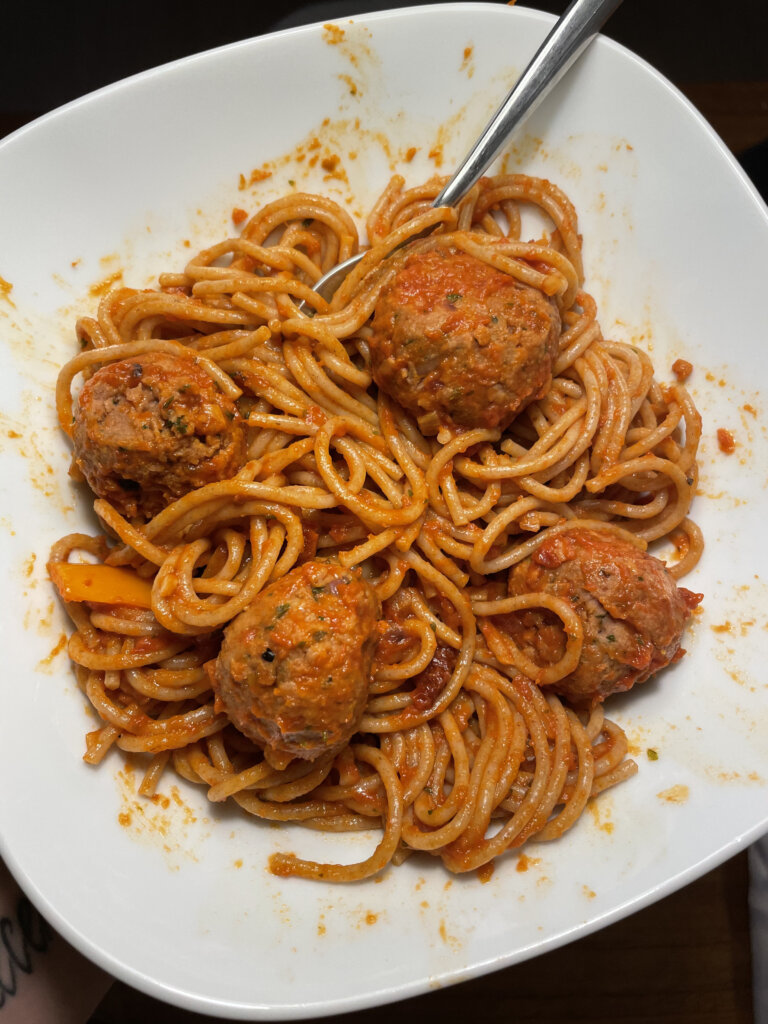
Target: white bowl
{"x": 177, "y": 899}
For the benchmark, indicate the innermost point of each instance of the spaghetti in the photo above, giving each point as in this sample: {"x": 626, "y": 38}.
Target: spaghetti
{"x": 463, "y": 748}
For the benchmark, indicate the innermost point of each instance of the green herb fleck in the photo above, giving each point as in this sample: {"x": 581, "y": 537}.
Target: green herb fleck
{"x": 317, "y": 591}
{"x": 652, "y": 754}
{"x": 319, "y": 634}
{"x": 453, "y": 296}
{"x": 179, "y": 424}
{"x": 292, "y": 183}
{"x": 281, "y": 610}
{"x": 433, "y": 627}
{"x": 611, "y": 638}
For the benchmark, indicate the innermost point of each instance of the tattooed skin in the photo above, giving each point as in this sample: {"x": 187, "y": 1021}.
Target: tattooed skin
{"x": 20, "y": 936}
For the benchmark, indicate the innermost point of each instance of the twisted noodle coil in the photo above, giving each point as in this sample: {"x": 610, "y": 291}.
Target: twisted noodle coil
{"x": 489, "y": 759}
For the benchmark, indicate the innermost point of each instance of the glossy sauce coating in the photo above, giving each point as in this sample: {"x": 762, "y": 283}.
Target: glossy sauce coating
{"x": 152, "y": 428}
{"x": 631, "y": 609}
{"x": 454, "y": 337}
{"x": 294, "y": 668}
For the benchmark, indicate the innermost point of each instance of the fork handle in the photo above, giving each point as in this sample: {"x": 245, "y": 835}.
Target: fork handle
{"x": 574, "y": 30}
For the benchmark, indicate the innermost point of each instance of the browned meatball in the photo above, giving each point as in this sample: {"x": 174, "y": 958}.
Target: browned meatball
{"x": 455, "y": 337}
{"x": 294, "y": 668}
{"x": 632, "y": 611}
{"x": 152, "y": 428}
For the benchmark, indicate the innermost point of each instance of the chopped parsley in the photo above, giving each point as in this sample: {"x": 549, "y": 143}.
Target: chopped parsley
{"x": 316, "y": 592}
{"x": 281, "y": 610}
{"x": 453, "y": 296}
{"x": 319, "y": 634}
{"x": 611, "y": 638}
{"x": 179, "y": 424}
{"x": 652, "y": 754}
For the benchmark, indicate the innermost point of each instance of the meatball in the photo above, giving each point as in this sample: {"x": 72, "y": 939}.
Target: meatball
{"x": 152, "y": 428}
{"x": 454, "y": 337}
{"x": 294, "y": 668}
{"x": 632, "y": 611}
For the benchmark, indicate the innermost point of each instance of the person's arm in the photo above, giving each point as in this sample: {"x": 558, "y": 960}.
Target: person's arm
{"x": 43, "y": 980}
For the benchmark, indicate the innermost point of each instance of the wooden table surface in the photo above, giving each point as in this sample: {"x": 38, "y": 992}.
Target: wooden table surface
{"x": 684, "y": 960}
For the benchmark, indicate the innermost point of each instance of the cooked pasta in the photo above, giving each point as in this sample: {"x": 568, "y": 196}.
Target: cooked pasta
{"x": 375, "y": 563}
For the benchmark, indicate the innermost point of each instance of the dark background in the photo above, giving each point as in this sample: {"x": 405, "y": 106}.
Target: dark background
{"x": 51, "y": 53}
{"x": 55, "y": 53}
{"x": 58, "y": 51}
{"x": 685, "y": 960}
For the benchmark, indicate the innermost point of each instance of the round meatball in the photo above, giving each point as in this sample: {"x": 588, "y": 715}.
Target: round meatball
{"x": 454, "y": 337}
{"x": 632, "y": 611}
{"x": 294, "y": 668}
{"x": 152, "y": 428}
